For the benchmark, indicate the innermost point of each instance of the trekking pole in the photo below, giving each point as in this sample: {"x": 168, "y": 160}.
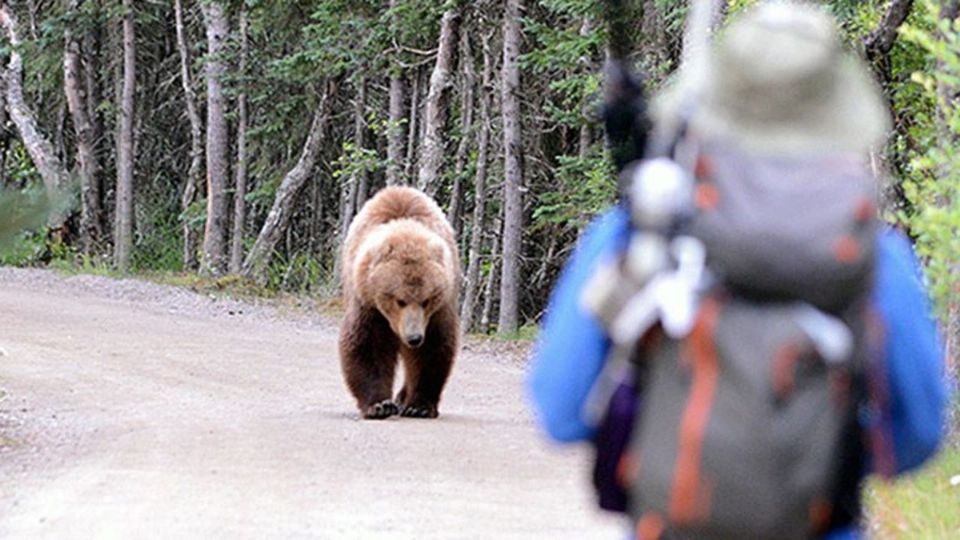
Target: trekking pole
{"x": 624, "y": 109}
{"x": 696, "y": 38}
{"x": 691, "y": 74}
{"x": 615, "y": 13}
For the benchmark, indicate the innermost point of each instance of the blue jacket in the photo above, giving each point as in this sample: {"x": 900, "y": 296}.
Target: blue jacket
{"x": 573, "y": 346}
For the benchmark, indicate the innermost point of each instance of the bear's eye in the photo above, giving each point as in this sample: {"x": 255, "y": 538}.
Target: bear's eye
{"x": 425, "y": 303}
{"x": 401, "y": 303}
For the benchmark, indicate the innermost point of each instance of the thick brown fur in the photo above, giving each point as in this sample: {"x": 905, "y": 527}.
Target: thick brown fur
{"x": 401, "y": 280}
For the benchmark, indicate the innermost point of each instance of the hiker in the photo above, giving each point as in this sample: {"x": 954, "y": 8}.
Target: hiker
{"x": 778, "y": 89}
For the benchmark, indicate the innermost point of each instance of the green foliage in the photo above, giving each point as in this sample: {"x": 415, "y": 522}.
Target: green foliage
{"x": 24, "y": 249}
{"x": 525, "y": 333}
{"x": 563, "y": 55}
{"x": 355, "y": 160}
{"x": 83, "y": 264}
{"x": 569, "y": 40}
{"x": 300, "y": 273}
{"x": 20, "y": 211}
{"x": 585, "y": 187}
{"x": 158, "y": 241}
{"x": 934, "y": 188}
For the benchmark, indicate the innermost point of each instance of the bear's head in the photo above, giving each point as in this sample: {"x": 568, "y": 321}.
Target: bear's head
{"x": 408, "y": 276}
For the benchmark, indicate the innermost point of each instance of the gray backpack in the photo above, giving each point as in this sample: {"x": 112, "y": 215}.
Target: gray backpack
{"x": 747, "y": 426}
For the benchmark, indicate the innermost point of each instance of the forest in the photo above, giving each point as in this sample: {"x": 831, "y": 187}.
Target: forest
{"x": 240, "y": 137}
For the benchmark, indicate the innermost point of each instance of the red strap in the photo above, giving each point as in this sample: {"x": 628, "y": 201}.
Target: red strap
{"x": 689, "y": 499}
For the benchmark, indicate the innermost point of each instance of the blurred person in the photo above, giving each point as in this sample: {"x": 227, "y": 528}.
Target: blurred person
{"x": 778, "y": 96}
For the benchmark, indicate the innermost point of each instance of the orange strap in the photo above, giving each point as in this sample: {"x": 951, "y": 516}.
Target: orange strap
{"x": 689, "y": 500}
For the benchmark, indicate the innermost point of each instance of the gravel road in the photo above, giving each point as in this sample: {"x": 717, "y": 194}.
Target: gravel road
{"x": 136, "y": 410}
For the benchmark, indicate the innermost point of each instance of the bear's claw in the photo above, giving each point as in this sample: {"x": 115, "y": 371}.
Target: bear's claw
{"x": 419, "y": 411}
{"x": 380, "y": 410}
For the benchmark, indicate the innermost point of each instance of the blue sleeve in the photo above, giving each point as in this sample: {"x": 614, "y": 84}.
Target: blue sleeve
{"x": 914, "y": 354}
{"x": 572, "y": 345}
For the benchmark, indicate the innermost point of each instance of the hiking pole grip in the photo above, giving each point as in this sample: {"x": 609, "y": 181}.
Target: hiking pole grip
{"x": 624, "y": 108}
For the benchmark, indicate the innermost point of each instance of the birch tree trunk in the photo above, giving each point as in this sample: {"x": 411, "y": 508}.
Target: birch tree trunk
{"x": 240, "y": 183}
{"x": 214, "y": 260}
{"x": 87, "y": 164}
{"x": 395, "y": 133}
{"x": 413, "y": 126}
{"x": 513, "y": 174}
{"x": 193, "y": 180}
{"x": 39, "y": 148}
{"x": 435, "y": 110}
{"x": 467, "y": 81}
{"x": 471, "y": 284}
{"x": 283, "y": 203}
{"x": 490, "y": 288}
{"x": 123, "y": 216}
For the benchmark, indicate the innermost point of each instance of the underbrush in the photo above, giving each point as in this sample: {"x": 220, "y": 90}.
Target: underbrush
{"x": 925, "y": 504}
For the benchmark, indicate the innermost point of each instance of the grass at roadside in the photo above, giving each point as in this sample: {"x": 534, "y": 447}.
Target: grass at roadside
{"x": 925, "y": 504}
{"x": 240, "y": 288}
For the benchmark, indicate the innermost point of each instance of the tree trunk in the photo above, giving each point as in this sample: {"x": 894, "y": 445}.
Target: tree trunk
{"x": 435, "y": 111}
{"x": 472, "y": 282}
{"x": 349, "y": 204}
{"x": 74, "y": 90}
{"x": 283, "y": 203}
{"x": 193, "y": 180}
{"x": 467, "y": 82}
{"x": 394, "y": 124}
{"x": 412, "y": 126}
{"x": 39, "y": 148}
{"x": 876, "y": 47}
{"x": 490, "y": 288}
{"x": 878, "y": 43}
{"x": 90, "y": 52}
{"x": 359, "y": 131}
{"x": 654, "y": 42}
{"x": 395, "y": 133}
{"x": 214, "y": 260}
{"x": 513, "y": 173}
{"x": 240, "y": 185}
{"x": 583, "y": 143}
{"x": 123, "y": 216}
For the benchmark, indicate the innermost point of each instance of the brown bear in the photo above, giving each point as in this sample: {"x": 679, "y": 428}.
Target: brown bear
{"x": 401, "y": 280}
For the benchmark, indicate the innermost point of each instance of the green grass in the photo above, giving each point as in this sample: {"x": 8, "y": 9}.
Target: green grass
{"x": 81, "y": 264}
{"x": 527, "y": 332}
{"x": 923, "y": 505}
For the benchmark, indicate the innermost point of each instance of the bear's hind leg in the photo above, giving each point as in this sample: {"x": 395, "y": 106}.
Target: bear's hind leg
{"x": 428, "y": 366}
{"x": 368, "y": 357}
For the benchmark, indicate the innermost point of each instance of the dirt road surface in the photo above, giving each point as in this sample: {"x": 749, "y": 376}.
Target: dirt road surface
{"x": 135, "y": 410}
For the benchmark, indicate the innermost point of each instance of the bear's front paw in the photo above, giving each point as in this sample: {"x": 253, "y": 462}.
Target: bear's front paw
{"x": 419, "y": 411}
{"x": 381, "y": 410}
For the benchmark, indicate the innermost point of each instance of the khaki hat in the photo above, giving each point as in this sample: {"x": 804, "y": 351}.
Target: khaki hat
{"x": 778, "y": 81}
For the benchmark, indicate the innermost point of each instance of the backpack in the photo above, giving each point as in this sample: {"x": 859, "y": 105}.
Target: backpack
{"x": 745, "y": 426}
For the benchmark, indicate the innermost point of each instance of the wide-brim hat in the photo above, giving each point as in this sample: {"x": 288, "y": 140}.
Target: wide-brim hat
{"x": 778, "y": 81}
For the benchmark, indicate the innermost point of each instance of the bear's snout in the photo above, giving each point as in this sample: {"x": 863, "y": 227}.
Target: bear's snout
{"x": 413, "y": 325}
{"x": 414, "y": 340}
